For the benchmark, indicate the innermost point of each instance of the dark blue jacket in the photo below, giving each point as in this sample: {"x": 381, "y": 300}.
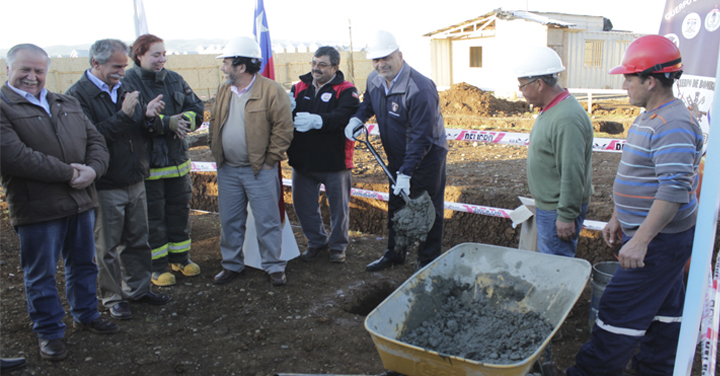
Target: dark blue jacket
{"x": 409, "y": 118}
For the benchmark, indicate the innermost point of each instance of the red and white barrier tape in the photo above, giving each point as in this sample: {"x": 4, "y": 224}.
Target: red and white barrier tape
{"x": 382, "y": 196}
{"x": 610, "y": 145}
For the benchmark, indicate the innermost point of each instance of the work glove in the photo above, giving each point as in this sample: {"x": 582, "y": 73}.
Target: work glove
{"x": 305, "y": 121}
{"x": 353, "y": 128}
{"x": 292, "y": 101}
{"x": 402, "y": 184}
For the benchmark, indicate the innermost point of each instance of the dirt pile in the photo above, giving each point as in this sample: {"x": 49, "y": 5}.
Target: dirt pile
{"x": 466, "y": 99}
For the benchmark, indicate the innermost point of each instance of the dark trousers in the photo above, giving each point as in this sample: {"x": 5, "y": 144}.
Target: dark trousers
{"x": 430, "y": 178}
{"x": 641, "y": 306}
{"x": 168, "y": 203}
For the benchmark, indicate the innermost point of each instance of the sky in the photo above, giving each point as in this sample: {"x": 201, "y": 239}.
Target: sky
{"x": 73, "y": 22}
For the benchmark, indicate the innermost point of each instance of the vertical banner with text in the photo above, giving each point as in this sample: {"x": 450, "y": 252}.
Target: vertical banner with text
{"x": 694, "y": 26}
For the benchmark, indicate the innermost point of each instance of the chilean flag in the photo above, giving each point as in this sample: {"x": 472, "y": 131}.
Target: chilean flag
{"x": 262, "y": 36}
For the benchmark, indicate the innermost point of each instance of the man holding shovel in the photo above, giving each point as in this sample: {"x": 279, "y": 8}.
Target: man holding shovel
{"x": 412, "y": 131}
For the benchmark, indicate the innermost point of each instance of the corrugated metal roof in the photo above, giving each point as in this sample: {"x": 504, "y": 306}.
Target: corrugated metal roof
{"x": 532, "y": 16}
{"x": 506, "y": 15}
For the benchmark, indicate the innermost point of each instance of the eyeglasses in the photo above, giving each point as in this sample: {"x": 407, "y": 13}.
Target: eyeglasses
{"x": 321, "y": 65}
{"x": 526, "y": 84}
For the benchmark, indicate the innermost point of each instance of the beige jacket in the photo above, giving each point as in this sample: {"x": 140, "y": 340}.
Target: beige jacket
{"x": 268, "y": 123}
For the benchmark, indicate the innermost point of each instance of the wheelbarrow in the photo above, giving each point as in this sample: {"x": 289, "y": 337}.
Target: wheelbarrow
{"x": 413, "y": 221}
{"x": 546, "y": 284}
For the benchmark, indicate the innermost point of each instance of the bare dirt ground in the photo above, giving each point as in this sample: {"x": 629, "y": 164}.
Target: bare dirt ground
{"x": 313, "y": 325}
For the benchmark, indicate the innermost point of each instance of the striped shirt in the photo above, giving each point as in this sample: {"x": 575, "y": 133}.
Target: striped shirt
{"x": 660, "y": 161}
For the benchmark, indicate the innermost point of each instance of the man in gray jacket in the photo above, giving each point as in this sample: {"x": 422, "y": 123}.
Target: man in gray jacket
{"x": 50, "y": 156}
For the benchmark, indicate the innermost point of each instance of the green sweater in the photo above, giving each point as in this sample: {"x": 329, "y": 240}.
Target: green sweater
{"x": 559, "y": 164}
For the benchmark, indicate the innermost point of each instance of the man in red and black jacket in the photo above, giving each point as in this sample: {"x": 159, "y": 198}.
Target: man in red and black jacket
{"x": 320, "y": 153}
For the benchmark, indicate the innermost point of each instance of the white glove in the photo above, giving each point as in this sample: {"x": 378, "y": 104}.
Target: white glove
{"x": 305, "y": 121}
{"x": 350, "y": 132}
{"x": 292, "y": 101}
{"x": 402, "y": 183}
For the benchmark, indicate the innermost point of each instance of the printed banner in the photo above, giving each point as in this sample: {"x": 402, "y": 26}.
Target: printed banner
{"x": 694, "y": 27}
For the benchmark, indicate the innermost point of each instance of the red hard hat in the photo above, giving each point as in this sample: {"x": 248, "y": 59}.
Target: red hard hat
{"x": 650, "y": 54}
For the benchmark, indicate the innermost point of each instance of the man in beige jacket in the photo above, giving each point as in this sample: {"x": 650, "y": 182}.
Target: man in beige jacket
{"x": 250, "y": 129}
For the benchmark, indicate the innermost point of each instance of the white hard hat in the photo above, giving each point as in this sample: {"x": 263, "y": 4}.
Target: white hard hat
{"x": 382, "y": 44}
{"x": 241, "y": 46}
{"x": 539, "y": 61}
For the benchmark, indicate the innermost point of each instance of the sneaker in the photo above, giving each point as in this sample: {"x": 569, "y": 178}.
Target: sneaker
{"x": 337, "y": 255}
{"x": 311, "y": 253}
{"x": 99, "y": 326}
{"x": 163, "y": 279}
{"x": 187, "y": 268}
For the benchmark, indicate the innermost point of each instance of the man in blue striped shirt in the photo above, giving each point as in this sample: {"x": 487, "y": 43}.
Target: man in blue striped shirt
{"x": 653, "y": 221}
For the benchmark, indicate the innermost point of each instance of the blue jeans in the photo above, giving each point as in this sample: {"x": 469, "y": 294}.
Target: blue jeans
{"x": 41, "y": 245}
{"x": 548, "y": 241}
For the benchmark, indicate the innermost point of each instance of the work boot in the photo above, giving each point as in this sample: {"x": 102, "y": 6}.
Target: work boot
{"x": 278, "y": 279}
{"x": 187, "y": 268}
{"x": 98, "y": 326}
{"x": 311, "y": 253}
{"x": 551, "y": 369}
{"x": 11, "y": 364}
{"x": 388, "y": 259}
{"x": 337, "y": 255}
{"x": 163, "y": 279}
{"x": 52, "y": 349}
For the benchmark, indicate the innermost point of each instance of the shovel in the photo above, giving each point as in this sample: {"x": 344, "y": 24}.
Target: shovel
{"x": 412, "y": 222}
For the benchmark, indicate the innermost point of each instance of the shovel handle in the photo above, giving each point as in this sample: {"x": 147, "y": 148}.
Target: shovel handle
{"x": 378, "y": 159}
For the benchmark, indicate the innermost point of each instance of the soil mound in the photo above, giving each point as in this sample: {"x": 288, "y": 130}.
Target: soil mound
{"x": 466, "y": 99}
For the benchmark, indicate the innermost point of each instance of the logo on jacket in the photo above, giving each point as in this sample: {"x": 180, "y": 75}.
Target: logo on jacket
{"x": 394, "y": 106}
{"x": 325, "y": 97}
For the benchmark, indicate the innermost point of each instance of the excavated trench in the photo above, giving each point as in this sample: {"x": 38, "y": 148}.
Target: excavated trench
{"x": 370, "y": 216}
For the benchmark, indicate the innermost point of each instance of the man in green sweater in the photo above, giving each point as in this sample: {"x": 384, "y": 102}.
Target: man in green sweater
{"x": 559, "y": 165}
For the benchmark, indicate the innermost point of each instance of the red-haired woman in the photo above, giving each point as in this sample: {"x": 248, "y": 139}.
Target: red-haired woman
{"x": 168, "y": 188}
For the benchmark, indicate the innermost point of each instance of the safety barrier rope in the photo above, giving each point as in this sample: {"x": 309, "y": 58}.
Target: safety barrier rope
{"x": 608, "y": 145}
{"x": 382, "y": 196}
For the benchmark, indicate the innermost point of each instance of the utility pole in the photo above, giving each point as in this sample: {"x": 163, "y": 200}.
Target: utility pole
{"x": 352, "y": 60}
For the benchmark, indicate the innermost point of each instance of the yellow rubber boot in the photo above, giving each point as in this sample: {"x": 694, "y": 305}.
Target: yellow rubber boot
{"x": 163, "y": 279}
{"x": 189, "y": 269}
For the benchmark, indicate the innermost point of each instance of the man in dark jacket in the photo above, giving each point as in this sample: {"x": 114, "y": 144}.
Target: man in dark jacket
{"x": 50, "y": 157}
{"x": 320, "y": 153}
{"x": 412, "y": 131}
{"x": 121, "y": 225}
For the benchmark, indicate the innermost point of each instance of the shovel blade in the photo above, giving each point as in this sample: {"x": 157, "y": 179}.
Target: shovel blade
{"x": 413, "y": 222}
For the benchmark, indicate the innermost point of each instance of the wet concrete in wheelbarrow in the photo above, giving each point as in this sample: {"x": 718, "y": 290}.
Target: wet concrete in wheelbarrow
{"x": 476, "y": 328}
